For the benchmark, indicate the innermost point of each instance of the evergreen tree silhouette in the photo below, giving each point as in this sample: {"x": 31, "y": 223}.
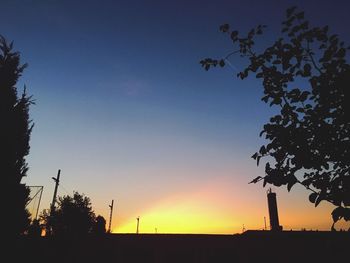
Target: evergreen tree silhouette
{"x": 14, "y": 141}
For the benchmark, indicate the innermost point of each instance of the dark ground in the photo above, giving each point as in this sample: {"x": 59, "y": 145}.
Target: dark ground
{"x": 252, "y": 246}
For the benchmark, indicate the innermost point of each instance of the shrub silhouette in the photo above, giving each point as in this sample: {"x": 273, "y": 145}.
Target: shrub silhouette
{"x": 72, "y": 217}
{"x": 99, "y": 225}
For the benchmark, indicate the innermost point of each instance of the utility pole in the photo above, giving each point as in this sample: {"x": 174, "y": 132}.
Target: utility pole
{"x": 265, "y": 222}
{"x": 57, "y": 181}
{"x": 110, "y": 217}
{"x": 137, "y": 227}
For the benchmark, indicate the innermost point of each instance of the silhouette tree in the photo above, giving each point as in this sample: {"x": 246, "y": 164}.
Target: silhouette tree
{"x": 99, "y": 226}
{"x": 35, "y": 228}
{"x": 308, "y": 140}
{"x": 14, "y": 140}
{"x": 73, "y": 216}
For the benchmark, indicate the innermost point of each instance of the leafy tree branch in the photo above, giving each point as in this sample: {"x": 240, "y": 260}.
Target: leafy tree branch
{"x": 308, "y": 141}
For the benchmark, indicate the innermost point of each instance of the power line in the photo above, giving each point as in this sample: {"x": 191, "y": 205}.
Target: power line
{"x": 64, "y": 189}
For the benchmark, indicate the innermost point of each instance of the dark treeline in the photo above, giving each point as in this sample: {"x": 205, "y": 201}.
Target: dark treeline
{"x": 261, "y": 246}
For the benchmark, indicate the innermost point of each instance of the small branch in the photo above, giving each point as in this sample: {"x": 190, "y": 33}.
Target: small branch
{"x": 312, "y": 58}
{"x": 312, "y": 190}
{"x": 286, "y": 101}
{"x": 232, "y": 53}
{"x": 251, "y": 52}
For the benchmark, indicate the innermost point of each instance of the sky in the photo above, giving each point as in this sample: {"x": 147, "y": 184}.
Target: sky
{"x": 124, "y": 109}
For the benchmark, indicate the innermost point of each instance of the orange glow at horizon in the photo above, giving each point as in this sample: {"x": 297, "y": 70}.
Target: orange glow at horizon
{"x": 221, "y": 208}
{"x": 211, "y": 209}
{"x": 181, "y": 215}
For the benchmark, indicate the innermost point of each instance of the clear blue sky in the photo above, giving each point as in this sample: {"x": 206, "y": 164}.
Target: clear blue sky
{"x": 124, "y": 109}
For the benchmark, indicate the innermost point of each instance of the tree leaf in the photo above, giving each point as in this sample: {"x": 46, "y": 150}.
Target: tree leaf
{"x": 307, "y": 70}
{"x": 262, "y": 150}
{"x": 224, "y": 28}
{"x": 261, "y": 133}
{"x": 312, "y": 197}
{"x": 341, "y": 53}
{"x": 254, "y": 155}
{"x": 265, "y": 181}
{"x": 258, "y": 160}
{"x": 234, "y": 35}
{"x": 292, "y": 181}
{"x": 319, "y": 198}
{"x": 222, "y": 63}
{"x": 255, "y": 180}
{"x": 337, "y": 213}
{"x": 346, "y": 214}
{"x": 304, "y": 96}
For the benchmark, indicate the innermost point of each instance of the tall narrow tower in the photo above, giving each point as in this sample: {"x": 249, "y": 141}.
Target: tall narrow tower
{"x": 273, "y": 212}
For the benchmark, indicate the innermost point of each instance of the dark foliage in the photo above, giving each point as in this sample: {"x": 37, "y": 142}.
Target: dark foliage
{"x": 73, "y": 216}
{"x": 308, "y": 141}
{"x": 252, "y": 246}
{"x": 99, "y": 225}
{"x": 14, "y": 140}
{"x": 35, "y": 228}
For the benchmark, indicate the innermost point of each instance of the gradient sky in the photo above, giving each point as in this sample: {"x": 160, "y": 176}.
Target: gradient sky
{"x": 124, "y": 109}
